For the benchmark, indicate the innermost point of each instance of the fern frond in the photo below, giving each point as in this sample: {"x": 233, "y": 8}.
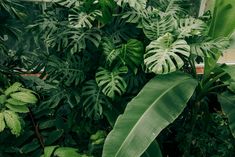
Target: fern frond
{"x": 191, "y": 26}
{"x": 111, "y": 82}
{"x": 164, "y": 55}
{"x": 93, "y": 100}
{"x": 80, "y": 19}
{"x": 209, "y": 47}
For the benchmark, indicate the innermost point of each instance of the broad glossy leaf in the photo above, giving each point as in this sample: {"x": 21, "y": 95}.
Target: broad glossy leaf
{"x": 48, "y": 151}
{"x": 13, "y": 88}
{"x": 153, "y": 150}
{"x": 164, "y": 54}
{"x": 227, "y": 101}
{"x": 158, "y": 104}
{"x": 66, "y": 152}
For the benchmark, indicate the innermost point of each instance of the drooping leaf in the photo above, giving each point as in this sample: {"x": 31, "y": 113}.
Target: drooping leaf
{"x": 12, "y": 121}
{"x": 158, "y": 104}
{"x": 164, "y": 55}
{"x": 111, "y": 82}
{"x": 227, "y": 101}
{"x": 206, "y": 48}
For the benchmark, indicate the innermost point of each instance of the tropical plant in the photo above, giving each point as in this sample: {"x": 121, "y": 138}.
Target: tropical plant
{"x": 99, "y": 59}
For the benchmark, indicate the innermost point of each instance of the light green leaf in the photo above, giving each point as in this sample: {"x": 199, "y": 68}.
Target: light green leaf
{"x": 12, "y": 121}
{"x": 15, "y": 102}
{"x": 13, "y": 88}
{"x": 2, "y": 122}
{"x": 66, "y": 152}
{"x": 227, "y": 101}
{"x": 25, "y": 97}
{"x": 158, "y": 104}
{"x": 163, "y": 55}
{"x": 19, "y": 109}
{"x": 48, "y": 151}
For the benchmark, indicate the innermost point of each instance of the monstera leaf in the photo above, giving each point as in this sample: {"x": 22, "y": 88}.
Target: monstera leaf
{"x": 81, "y": 19}
{"x": 159, "y": 27}
{"x": 94, "y": 99}
{"x": 191, "y": 26}
{"x": 164, "y": 55}
{"x": 158, "y": 104}
{"x": 111, "y": 82}
{"x": 132, "y": 53}
{"x": 137, "y": 4}
{"x": 227, "y": 101}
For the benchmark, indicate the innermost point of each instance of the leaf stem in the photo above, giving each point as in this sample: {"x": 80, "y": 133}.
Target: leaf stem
{"x": 36, "y": 127}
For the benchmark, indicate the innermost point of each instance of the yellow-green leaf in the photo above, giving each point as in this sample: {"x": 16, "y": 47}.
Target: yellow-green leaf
{"x": 13, "y": 88}
{"x": 2, "y": 122}
{"x": 25, "y": 97}
{"x": 15, "y": 102}
{"x": 12, "y": 121}
{"x": 19, "y": 109}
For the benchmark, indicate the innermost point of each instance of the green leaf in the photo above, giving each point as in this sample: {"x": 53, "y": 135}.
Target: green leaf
{"x": 80, "y": 19}
{"x": 223, "y": 22}
{"x": 53, "y": 136}
{"x": 25, "y": 97}
{"x": 191, "y": 26}
{"x": 111, "y": 82}
{"x": 12, "y": 121}
{"x": 136, "y": 4}
{"x": 48, "y": 151}
{"x": 132, "y": 53}
{"x": 227, "y": 101}
{"x": 93, "y": 100}
{"x": 66, "y": 152}
{"x": 158, "y": 104}
{"x": 164, "y": 56}
{"x": 153, "y": 150}
{"x": 30, "y": 147}
{"x": 13, "y": 88}
{"x": 15, "y": 102}
{"x": 206, "y": 48}
{"x": 2, "y": 99}
{"x": 157, "y": 28}
{"x": 2, "y": 122}
{"x": 19, "y": 109}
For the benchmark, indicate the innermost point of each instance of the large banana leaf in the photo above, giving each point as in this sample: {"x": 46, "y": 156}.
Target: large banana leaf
{"x": 227, "y": 101}
{"x": 158, "y": 104}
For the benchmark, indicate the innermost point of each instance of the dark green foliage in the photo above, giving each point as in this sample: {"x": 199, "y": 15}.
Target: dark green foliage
{"x": 93, "y": 57}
